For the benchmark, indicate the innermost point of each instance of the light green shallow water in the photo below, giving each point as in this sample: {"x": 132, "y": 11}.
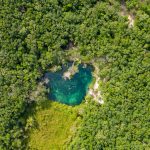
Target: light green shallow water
{"x": 72, "y": 91}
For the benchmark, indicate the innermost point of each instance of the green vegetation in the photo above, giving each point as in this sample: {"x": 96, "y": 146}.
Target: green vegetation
{"x": 36, "y": 35}
{"x": 54, "y": 123}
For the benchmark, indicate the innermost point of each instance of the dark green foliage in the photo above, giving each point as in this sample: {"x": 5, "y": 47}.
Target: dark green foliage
{"x": 34, "y": 35}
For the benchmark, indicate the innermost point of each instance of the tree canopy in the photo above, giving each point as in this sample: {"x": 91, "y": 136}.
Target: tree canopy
{"x": 33, "y": 37}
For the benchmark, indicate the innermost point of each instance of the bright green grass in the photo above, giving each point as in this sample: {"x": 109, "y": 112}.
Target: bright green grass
{"x": 55, "y": 124}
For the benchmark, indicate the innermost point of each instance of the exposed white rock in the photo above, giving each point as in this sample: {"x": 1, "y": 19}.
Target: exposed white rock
{"x": 67, "y": 75}
{"x": 70, "y": 72}
{"x": 95, "y": 92}
{"x": 96, "y": 85}
{"x": 85, "y": 65}
{"x": 100, "y": 101}
{"x": 46, "y": 80}
{"x": 131, "y": 20}
{"x": 91, "y": 92}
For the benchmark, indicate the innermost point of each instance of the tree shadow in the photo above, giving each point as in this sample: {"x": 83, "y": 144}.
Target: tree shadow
{"x": 30, "y": 118}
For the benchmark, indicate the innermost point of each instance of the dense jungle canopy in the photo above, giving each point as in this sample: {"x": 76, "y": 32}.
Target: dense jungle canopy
{"x": 36, "y": 35}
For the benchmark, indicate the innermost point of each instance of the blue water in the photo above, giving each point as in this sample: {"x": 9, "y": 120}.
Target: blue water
{"x": 70, "y": 92}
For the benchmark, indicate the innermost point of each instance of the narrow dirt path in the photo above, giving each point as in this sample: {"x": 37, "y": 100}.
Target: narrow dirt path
{"x": 123, "y": 8}
{"x": 124, "y": 12}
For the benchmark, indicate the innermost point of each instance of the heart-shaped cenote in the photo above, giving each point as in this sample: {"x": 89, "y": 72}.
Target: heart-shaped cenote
{"x": 69, "y": 91}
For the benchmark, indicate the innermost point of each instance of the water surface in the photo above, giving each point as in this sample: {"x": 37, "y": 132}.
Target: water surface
{"x": 72, "y": 91}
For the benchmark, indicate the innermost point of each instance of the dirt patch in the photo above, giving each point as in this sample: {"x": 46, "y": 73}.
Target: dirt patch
{"x": 131, "y": 20}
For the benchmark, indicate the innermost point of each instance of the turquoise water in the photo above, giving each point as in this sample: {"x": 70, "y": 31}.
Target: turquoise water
{"x": 70, "y": 92}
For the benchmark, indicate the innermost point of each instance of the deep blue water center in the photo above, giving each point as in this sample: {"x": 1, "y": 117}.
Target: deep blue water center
{"x": 70, "y": 92}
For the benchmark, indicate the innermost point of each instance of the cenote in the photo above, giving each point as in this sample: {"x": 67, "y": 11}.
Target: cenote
{"x": 69, "y": 91}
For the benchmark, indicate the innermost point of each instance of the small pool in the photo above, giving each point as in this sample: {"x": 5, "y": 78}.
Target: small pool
{"x": 70, "y": 91}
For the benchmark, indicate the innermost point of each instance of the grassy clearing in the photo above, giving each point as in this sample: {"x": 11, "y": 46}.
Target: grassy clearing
{"x": 55, "y": 125}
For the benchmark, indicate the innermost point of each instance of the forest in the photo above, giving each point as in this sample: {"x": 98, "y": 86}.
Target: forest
{"x": 36, "y": 35}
